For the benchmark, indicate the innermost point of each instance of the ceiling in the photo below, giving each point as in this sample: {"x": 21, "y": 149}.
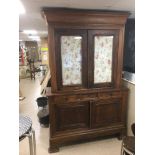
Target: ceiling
{"x": 32, "y": 19}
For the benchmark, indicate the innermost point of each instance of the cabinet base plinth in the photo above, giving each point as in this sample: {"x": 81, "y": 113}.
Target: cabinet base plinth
{"x": 121, "y": 135}
{"x": 57, "y": 141}
{"x": 53, "y": 149}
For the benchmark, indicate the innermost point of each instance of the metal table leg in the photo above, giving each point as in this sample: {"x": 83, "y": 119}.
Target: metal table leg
{"x": 34, "y": 142}
{"x": 30, "y": 143}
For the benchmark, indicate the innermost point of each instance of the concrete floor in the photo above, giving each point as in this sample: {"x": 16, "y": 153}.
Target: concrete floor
{"x": 31, "y": 90}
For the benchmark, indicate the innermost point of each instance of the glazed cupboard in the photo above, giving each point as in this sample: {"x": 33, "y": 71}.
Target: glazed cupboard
{"x": 86, "y": 99}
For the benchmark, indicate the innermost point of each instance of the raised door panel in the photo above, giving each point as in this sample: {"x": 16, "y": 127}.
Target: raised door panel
{"x": 102, "y": 56}
{"x": 106, "y": 112}
{"x": 71, "y": 58}
{"x": 72, "y": 116}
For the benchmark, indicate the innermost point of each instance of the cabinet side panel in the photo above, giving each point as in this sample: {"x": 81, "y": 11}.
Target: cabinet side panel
{"x": 52, "y": 60}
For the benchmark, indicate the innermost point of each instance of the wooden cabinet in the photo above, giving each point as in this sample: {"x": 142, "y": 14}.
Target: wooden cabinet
{"x": 85, "y": 56}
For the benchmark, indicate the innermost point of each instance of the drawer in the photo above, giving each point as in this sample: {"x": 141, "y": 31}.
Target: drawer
{"x": 86, "y": 97}
{"x": 109, "y": 95}
{"x": 91, "y": 96}
{"x": 73, "y": 98}
{"x": 67, "y": 98}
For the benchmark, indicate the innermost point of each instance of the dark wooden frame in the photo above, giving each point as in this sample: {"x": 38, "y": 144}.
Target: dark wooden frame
{"x": 60, "y": 18}
{"x": 116, "y": 106}
{"x": 84, "y": 106}
{"x": 71, "y": 32}
{"x": 73, "y": 20}
{"x": 91, "y": 35}
{"x": 87, "y": 64}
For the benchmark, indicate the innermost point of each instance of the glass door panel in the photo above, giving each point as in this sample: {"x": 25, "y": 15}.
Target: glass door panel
{"x": 102, "y": 56}
{"x": 71, "y": 57}
{"x": 103, "y": 48}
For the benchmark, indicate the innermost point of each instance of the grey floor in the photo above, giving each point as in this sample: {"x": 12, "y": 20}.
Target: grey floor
{"x": 31, "y": 90}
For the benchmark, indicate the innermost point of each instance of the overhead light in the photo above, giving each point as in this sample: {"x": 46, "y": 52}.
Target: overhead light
{"x": 21, "y": 8}
{"x": 30, "y": 31}
{"x": 37, "y": 39}
{"x": 78, "y": 37}
{"x": 34, "y": 37}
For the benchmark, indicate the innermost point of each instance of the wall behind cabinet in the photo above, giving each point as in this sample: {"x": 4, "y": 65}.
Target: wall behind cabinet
{"x": 131, "y": 106}
{"x": 129, "y": 46}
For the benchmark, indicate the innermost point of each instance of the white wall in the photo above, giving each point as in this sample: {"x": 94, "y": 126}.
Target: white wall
{"x": 130, "y": 107}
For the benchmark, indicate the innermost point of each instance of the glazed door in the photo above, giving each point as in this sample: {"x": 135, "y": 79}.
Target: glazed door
{"x": 102, "y": 57}
{"x": 71, "y": 58}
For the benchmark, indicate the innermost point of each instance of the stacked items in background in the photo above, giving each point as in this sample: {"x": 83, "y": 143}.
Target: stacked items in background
{"x": 43, "y": 113}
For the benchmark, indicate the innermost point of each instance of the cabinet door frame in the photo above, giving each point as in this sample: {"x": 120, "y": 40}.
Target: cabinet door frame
{"x": 91, "y": 46}
{"x": 113, "y": 102}
{"x": 84, "y": 77}
{"x": 61, "y": 110}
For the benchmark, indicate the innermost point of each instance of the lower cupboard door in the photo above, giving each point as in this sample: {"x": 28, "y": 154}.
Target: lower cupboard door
{"x": 106, "y": 112}
{"x": 72, "y": 116}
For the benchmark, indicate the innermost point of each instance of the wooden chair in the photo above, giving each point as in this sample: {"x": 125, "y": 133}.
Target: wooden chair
{"x": 31, "y": 68}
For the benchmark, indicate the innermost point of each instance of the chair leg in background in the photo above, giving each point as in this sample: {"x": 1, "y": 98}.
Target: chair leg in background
{"x": 34, "y": 142}
{"x": 122, "y": 149}
{"x": 30, "y": 143}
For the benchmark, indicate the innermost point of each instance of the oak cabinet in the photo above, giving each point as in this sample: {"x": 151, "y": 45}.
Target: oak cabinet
{"x": 86, "y": 99}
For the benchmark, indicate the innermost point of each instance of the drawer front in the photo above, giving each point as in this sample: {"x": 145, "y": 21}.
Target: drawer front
{"x": 109, "y": 95}
{"x": 87, "y": 97}
{"x": 106, "y": 112}
{"x": 71, "y": 116}
{"x": 75, "y": 98}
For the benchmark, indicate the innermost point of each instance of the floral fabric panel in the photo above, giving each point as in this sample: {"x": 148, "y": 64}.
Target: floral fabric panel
{"x": 103, "y": 59}
{"x": 71, "y": 59}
